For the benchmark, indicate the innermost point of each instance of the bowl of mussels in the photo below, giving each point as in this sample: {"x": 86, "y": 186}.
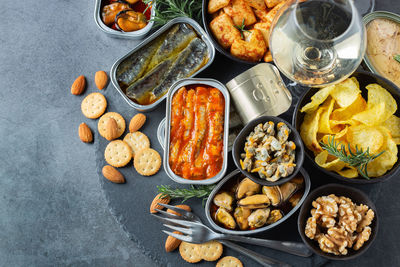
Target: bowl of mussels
{"x": 239, "y": 206}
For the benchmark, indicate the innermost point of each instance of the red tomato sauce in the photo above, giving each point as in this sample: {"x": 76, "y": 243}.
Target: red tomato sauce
{"x": 197, "y": 132}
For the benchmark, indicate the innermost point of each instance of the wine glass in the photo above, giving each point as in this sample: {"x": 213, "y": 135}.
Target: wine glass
{"x": 317, "y": 42}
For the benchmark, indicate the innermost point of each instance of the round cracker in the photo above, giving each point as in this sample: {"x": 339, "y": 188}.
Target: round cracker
{"x": 93, "y": 105}
{"x": 118, "y": 153}
{"x": 147, "y": 162}
{"x": 101, "y": 126}
{"x": 211, "y": 250}
{"x": 229, "y": 261}
{"x": 137, "y": 141}
{"x": 190, "y": 252}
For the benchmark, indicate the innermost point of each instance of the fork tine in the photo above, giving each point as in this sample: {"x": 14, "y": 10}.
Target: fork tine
{"x": 186, "y": 231}
{"x": 179, "y": 210}
{"x": 179, "y": 222}
{"x": 170, "y": 215}
{"x": 178, "y": 236}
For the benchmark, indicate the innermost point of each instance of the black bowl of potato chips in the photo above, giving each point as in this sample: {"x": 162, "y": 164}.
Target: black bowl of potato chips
{"x": 351, "y": 130}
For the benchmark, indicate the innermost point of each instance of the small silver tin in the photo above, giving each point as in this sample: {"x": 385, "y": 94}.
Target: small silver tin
{"x": 200, "y": 32}
{"x": 140, "y": 34}
{"x": 176, "y": 86}
{"x": 259, "y": 91}
{"x": 370, "y": 17}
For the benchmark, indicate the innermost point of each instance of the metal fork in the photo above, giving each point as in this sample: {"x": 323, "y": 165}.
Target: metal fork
{"x": 189, "y": 216}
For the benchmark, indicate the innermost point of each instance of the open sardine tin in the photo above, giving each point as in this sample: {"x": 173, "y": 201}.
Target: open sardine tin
{"x": 175, "y": 87}
{"x": 200, "y": 33}
{"x": 259, "y": 91}
{"x": 139, "y": 34}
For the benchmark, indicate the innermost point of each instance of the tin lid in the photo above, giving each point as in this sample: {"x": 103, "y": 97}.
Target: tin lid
{"x": 259, "y": 91}
{"x": 370, "y": 17}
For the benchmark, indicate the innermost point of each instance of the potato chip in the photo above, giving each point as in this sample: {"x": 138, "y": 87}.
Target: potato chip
{"x": 365, "y": 137}
{"x": 376, "y": 95}
{"x": 372, "y": 116}
{"x": 393, "y": 125}
{"x": 324, "y": 125}
{"x": 343, "y": 114}
{"x": 335, "y": 165}
{"x": 396, "y": 140}
{"x": 384, "y": 162}
{"x": 309, "y": 129}
{"x": 348, "y": 172}
{"x": 317, "y": 99}
{"x": 340, "y": 136}
{"x": 346, "y": 92}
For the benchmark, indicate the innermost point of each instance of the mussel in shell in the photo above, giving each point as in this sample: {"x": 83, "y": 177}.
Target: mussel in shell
{"x": 129, "y": 21}
{"x": 274, "y": 216}
{"x": 225, "y": 218}
{"x": 247, "y": 188}
{"x": 288, "y": 189}
{"x": 294, "y": 200}
{"x": 241, "y": 215}
{"x": 224, "y": 200}
{"x": 258, "y": 218}
{"x": 273, "y": 193}
{"x": 254, "y": 202}
{"x": 110, "y": 11}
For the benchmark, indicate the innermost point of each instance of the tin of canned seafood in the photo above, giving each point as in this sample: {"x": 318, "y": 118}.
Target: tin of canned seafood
{"x": 201, "y": 34}
{"x": 259, "y": 91}
{"x": 367, "y": 19}
{"x": 174, "y": 88}
{"x": 140, "y": 34}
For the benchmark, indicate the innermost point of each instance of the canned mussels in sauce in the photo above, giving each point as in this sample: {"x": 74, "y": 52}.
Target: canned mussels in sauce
{"x": 195, "y": 54}
{"x": 215, "y": 123}
{"x": 259, "y": 91}
{"x": 134, "y": 35}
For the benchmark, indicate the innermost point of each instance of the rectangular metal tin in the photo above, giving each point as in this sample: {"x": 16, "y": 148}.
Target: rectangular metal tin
{"x": 259, "y": 91}
{"x": 200, "y": 32}
{"x": 378, "y": 15}
{"x": 176, "y": 86}
{"x": 140, "y": 34}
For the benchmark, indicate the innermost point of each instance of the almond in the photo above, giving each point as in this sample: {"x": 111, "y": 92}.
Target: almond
{"x": 111, "y": 129}
{"x": 101, "y": 79}
{"x": 184, "y": 207}
{"x": 172, "y": 243}
{"x": 137, "y": 122}
{"x": 85, "y": 134}
{"x": 158, "y": 199}
{"x": 78, "y": 86}
{"x": 113, "y": 174}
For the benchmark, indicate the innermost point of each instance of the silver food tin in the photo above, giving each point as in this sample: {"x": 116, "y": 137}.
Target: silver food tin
{"x": 370, "y": 17}
{"x": 176, "y": 86}
{"x": 259, "y": 91}
{"x": 200, "y": 32}
{"x": 140, "y": 34}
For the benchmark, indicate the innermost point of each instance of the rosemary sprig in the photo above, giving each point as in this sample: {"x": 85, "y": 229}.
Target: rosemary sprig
{"x": 166, "y": 10}
{"x": 200, "y": 191}
{"x": 397, "y": 58}
{"x": 358, "y": 159}
{"x": 242, "y": 28}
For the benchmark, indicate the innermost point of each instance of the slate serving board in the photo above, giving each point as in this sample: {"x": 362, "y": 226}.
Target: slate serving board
{"x": 129, "y": 202}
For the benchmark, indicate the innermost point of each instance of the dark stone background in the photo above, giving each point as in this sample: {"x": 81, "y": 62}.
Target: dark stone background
{"x": 53, "y": 211}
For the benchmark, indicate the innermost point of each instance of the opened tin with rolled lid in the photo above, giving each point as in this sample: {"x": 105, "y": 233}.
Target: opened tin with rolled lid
{"x": 259, "y": 91}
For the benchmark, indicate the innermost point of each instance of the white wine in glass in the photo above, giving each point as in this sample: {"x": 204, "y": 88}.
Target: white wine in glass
{"x": 317, "y": 42}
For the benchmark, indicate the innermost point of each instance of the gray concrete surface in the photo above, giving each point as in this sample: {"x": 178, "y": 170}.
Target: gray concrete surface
{"x": 52, "y": 209}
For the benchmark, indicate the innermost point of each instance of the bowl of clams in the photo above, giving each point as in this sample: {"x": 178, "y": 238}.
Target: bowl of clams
{"x": 239, "y": 206}
{"x": 269, "y": 151}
